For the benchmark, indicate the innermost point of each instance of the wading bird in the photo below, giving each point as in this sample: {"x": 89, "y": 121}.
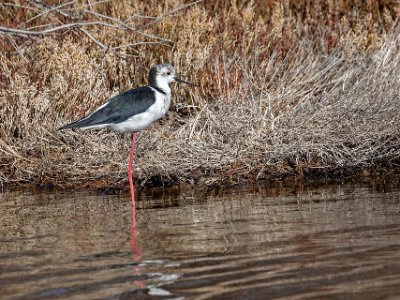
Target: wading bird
{"x": 134, "y": 109}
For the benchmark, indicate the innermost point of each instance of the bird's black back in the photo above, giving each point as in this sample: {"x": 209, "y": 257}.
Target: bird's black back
{"x": 119, "y": 108}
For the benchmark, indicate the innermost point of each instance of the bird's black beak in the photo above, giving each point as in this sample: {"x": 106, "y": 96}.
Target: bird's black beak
{"x": 183, "y": 81}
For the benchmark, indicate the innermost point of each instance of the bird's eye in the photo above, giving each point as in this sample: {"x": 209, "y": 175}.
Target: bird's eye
{"x": 168, "y": 73}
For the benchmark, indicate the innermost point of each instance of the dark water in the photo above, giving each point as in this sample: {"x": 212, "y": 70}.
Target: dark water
{"x": 339, "y": 242}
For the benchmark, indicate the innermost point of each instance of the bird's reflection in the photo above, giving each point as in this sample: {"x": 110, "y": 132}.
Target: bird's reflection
{"x": 137, "y": 253}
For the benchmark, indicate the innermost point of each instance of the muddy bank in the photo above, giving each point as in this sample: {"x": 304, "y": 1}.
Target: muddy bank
{"x": 379, "y": 176}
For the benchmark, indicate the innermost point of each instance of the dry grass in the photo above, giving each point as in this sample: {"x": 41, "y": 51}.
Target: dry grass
{"x": 286, "y": 88}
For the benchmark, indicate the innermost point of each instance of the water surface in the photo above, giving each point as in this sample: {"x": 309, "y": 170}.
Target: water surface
{"x": 340, "y": 241}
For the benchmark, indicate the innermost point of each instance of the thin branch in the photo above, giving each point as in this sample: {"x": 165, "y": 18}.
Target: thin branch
{"x": 159, "y": 19}
{"x": 14, "y": 44}
{"x": 66, "y": 10}
{"x": 139, "y": 44}
{"x": 94, "y": 40}
{"x": 54, "y": 29}
{"x": 17, "y": 6}
{"x": 126, "y": 26}
{"x": 105, "y": 47}
{"x": 49, "y": 9}
{"x": 90, "y": 4}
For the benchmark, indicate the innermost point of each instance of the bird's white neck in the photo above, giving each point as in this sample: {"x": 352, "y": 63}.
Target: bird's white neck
{"x": 163, "y": 85}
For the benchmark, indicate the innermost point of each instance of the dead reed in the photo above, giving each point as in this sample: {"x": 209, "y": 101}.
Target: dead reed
{"x": 286, "y": 88}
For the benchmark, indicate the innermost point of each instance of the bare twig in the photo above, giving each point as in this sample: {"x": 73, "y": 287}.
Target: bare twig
{"x": 159, "y": 19}
{"x": 126, "y": 26}
{"x": 18, "y": 6}
{"x": 94, "y": 40}
{"x": 53, "y": 29}
{"x": 14, "y": 44}
{"x": 87, "y": 23}
{"x": 49, "y": 9}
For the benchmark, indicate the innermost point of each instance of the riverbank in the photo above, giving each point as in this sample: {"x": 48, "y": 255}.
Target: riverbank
{"x": 284, "y": 92}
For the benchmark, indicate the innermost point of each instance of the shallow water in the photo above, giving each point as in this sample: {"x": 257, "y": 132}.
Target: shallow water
{"x": 340, "y": 241}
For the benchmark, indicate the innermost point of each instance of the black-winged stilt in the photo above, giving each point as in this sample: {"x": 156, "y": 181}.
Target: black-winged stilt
{"x": 134, "y": 109}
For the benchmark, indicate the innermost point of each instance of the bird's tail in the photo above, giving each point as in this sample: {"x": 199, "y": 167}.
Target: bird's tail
{"x": 76, "y": 124}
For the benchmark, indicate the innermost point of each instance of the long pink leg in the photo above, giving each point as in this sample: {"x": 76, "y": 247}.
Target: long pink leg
{"x": 130, "y": 169}
{"x": 135, "y": 248}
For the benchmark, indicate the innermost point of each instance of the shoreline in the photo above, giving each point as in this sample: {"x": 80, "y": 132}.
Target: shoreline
{"x": 106, "y": 185}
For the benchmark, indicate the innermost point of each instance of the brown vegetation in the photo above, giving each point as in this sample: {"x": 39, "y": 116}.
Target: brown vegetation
{"x": 286, "y": 87}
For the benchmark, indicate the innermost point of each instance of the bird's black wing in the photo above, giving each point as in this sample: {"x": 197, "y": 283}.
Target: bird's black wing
{"x": 119, "y": 108}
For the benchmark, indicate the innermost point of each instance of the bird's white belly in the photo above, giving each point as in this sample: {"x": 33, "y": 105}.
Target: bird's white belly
{"x": 135, "y": 123}
{"x": 141, "y": 121}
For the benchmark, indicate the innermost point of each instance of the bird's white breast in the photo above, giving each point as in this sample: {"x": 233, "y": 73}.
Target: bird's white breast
{"x": 146, "y": 118}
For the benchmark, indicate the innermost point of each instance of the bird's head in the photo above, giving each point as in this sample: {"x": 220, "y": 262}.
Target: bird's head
{"x": 161, "y": 75}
